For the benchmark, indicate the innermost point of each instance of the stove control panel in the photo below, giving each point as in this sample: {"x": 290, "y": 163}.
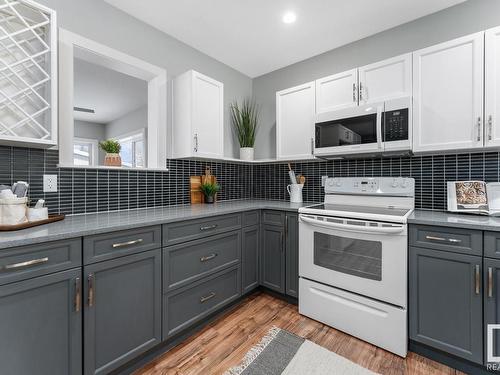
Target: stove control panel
{"x": 398, "y": 186}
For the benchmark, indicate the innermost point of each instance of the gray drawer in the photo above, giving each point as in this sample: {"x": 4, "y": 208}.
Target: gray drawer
{"x": 273, "y": 217}
{"x": 185, "y": 263}
{"x": 184, "y": 231}
{"x": 117, "y": 244}
{"x": 25, "y": 262}
{"x": 492, "y": 244}
{"x": 458, "y": 240}
{"x": 188, "y": 305}
{"x": 250, "y": 218}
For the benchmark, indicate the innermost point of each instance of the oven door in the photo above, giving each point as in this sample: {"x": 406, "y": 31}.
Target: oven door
{"x": 365, "y": 257}
{"x": 349, "y": 131}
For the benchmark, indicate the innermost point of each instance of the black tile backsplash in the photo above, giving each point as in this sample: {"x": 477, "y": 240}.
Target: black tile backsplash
{"x": 91, "y": 190}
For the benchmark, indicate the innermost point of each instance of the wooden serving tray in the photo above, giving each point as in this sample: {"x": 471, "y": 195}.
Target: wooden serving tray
{"x": 30, "y": 224}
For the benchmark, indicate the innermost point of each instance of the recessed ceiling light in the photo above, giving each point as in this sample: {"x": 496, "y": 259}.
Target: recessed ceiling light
{"x": 289, "y": 17}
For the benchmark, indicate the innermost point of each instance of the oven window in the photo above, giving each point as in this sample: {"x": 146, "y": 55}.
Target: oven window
{"x": 351, "y": 131}
{"x": 348, "y": 255}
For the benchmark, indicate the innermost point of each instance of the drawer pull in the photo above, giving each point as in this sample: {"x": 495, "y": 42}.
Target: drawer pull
{"x": 28, "y": 263}
{"x": 78, "y": 288}
{"x": 128, "y": 243}
{"x": 91, "y": 296}
{"x": 433, "y": 238}
{"x": 208, "y": 257}
{"x": 490, "y": 282}
{"x": 209, "y": 227}
{"x": 206, "y": 298}
{"x": 477, "y": 279}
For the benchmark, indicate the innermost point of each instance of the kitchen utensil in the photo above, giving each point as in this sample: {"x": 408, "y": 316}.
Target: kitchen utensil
{"x": 20, "y": 189}
{"x": 291, "y": 173}
{"x": 301, "y": 179}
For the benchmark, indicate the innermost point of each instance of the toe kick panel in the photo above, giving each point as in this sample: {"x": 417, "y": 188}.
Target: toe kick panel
{"x": 373, "y": 321}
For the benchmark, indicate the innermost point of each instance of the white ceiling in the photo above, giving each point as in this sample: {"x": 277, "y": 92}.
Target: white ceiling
{"x": 109, "y": 93}
{"x": 250, "y": 36}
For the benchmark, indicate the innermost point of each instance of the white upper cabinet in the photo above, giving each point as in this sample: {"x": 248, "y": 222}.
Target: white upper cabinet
{"x": 338, "y": 91}
{"x": 295, "y": 122}
{"x": 492, "y": 88}
{"x": 385, "y": 80}
{"x": 28, "y": 83}
{"x": 448, "y": 95}
{"x": 198, "y": 123}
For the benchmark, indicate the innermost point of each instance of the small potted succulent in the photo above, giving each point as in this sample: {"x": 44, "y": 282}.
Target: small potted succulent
{"x": 112, "y": 148}
{"x": 245, "y": 120}
{"x": 210, "y": 189}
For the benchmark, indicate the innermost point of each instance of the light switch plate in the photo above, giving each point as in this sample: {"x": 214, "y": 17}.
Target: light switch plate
{"x": 50, "y": 183}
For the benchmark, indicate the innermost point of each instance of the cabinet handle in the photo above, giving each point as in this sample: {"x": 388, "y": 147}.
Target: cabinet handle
{"x": 490, "y": 127}
{"x": 206, "y": 298}
{"x": 282, "y": 243}
{"x": 477, "y": 279}
{"x": 196, "y": 142}
{"x": 208, "y": 257}
{"x": 208, "y": 227}
{"x": 28, "y": 263}
{"x": 312, "y": 146}
{"x": 91, "y": 297}
{"x": 479, "y": 128}
{"x": 360, "y": 91}
{"x": 490, "y": 282}
{"x": 433, "y": 238}
{"x": 78, "y": 289}
{"x": 128, "y": 243}
{"x": 354, "y": 92}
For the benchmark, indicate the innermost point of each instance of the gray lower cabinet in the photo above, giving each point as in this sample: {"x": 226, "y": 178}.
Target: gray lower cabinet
{"x": 122, "y": 310}
{"x": 41, "y": 325}
{"x": 272, "y": 257}
{"x": 491, "y": 305}
{"x": 292, "y": 254}
{"x": 250, "y": 258}
{"x": 446, "y": 302}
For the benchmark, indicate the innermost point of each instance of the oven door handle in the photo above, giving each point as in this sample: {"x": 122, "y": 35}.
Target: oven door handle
{"x": 350, "y": 227}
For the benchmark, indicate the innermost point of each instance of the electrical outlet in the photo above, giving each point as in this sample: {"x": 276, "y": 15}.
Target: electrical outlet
{"x": 50, "y": 183}
{"x": 323, "y": 180}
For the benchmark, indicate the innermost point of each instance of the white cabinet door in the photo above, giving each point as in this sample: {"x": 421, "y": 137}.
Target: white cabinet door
{"x": 207, "y": 116}
{"x": 337, "y": 91}
{"x": 295, "y": 122}
{"x": 492, "y": 89}
{"x": 385, "y": 80}
{"x": 448, "y": 95}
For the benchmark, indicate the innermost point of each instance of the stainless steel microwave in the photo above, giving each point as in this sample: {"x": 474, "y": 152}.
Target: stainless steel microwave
{"x": 371, "y": 128}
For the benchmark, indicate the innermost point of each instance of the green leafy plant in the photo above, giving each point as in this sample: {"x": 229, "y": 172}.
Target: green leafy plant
{"x": 245, "y": 120}
{"x": 111, "y": 146}
{"x": 210, "y": 189}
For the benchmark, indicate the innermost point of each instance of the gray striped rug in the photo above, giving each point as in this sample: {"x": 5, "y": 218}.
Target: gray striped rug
{"x": 281, "y": 352}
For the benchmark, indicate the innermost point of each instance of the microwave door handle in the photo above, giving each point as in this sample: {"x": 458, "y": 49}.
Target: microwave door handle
{"x": 379, "y": 127}
{"x": 350, "y": 227}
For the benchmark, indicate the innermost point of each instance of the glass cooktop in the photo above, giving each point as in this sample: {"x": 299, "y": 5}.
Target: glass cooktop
{"x": 361, "y": 209}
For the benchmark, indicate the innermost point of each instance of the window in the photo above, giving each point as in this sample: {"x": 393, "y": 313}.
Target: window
{"x": 84, "y": 151}
{"x": 132, "y": 151}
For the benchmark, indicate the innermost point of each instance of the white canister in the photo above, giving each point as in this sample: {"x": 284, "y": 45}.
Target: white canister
{"x": 295, "y": 191}
{"x": 37, "y": 214}
{"x": 13, "y": 211}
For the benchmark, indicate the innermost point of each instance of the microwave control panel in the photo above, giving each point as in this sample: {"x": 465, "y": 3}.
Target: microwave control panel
{"x": 396, "y": 125}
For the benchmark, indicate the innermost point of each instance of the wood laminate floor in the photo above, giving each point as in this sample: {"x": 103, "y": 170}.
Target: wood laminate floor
{"x": 223, "y": 343}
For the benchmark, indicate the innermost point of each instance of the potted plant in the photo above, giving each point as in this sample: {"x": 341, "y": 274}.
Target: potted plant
{"x": 112, "y": 148}
{"x": 210, "y": 189}
{"x": 245, "y": 121}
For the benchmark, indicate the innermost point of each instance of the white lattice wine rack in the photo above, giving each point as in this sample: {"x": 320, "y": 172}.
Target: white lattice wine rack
{"x": 28, "y": 72}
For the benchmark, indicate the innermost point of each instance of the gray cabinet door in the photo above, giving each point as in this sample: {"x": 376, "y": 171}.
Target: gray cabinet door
{"x": 292, "y": 255}
{"x": 272, "y": 258}
{"x": 122, "y": 310}
{"x": 41, "y": 325}
{"x": 445, "y": 302}
{"x": 491, "y": 305}
{"x": 250, "y": 258}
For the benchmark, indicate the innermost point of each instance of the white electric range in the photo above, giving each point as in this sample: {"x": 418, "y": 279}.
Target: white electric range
{"x": 353, "y": 252}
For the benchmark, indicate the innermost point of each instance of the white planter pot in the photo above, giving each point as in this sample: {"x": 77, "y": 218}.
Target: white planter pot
{"x": 246, "y": 153}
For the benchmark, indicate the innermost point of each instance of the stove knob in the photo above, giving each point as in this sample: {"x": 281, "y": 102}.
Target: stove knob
{"x": 395, "y": 183}
{"x": 339, "y": 183}
{"x": 331, "y": 182}
{"x": 404, "y": 183}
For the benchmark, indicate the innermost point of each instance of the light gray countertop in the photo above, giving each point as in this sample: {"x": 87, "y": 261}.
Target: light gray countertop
{"x": 83, "y": 225}
{"x": 449, "y": 219}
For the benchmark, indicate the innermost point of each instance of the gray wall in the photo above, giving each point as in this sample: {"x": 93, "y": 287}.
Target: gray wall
{"x": 99, "y": 21}
{"x": 132, "y": 121}
{"x": 462, "y": 19}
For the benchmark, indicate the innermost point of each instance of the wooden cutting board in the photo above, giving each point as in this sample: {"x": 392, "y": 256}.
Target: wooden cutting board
{"x": 195, "y": 184}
